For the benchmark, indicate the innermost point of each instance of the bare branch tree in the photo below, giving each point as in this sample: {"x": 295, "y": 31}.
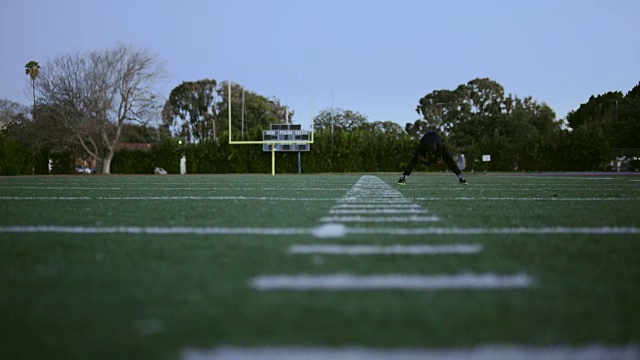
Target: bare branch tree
{"x": 95, "y": 94}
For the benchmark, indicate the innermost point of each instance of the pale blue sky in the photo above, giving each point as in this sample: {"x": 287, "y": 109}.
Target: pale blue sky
{"x": 375, "y": 57}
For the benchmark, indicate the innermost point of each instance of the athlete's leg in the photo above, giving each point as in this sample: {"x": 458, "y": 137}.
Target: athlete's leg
{"x": 446, "y": 157}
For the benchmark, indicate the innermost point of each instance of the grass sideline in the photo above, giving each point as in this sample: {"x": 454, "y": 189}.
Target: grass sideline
{"x": 76, "y": 292}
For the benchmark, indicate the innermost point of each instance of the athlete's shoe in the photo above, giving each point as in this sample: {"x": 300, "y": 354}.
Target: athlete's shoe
{"x": 402, "y": 181}
{"x": 463, "y": 181}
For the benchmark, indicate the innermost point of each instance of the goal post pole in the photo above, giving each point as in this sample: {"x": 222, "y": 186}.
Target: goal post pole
{"x": 257, "y": 142}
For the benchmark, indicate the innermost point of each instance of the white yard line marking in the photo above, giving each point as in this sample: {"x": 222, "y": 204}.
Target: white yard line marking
{"x": 380, "y": 193}
{"x": 323, "y": 231}
{"x": 329, "y": 231}
{"x": 65, "y": 188}
{"x": 329, "y": 249}
{"x": 341, "y": 282}
{"x": 378, "y": 211}
{"x": 154, "y": 230}
{"x": 550, "y": 198}
{"x": 344, "y": 202}
{"x": 207, "y": 188}
{"x": 373, "y": 206}
{"x": 496, "y": 231}
{"x": 379, "y": 201}
{"x": 560, "y": 176}
{"x": 136, "y": 198}
{"x": 486, "y": 352}
{"x": 372, "y": 196}
{"x": 379, "y": 219}
{"x": 47, "y": 198}
{"x": 371, "y": 188}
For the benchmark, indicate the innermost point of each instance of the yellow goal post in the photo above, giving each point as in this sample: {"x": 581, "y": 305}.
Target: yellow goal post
{"x": 272, "y": 143}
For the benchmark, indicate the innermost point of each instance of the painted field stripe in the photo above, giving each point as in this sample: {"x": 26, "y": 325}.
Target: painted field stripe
{"x": 371, "y": 187}
{"x": 207, "y": 188}
{"x": 329, "y": 230}
{"x": 65, "y": 188}
{"x": 373, "y": 201}
{"x": 560, "y": 176}
{"x": 48, "y": 198}
{"x": 379, "y": 194}
{"x": 136, "y": 198}
{"x": 378, "y": 211}
{"x": 377, "y": 197}
{"x": 379, "y": 219}
{"x": 605, "y": 230}
{"x": 373, "y": 206}
{"x": 154, "y": 230}
{"x": 550, "y": 198}
{"x": 342, "y": 201}
{"x": 323, "y": 231}
{"x": 329, "y": 249}
{"x": 346, "y": 282}
{"x": 487, "y": 352}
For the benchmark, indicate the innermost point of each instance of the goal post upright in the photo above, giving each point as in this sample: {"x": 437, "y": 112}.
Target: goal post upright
{"x": 273, "y": 143}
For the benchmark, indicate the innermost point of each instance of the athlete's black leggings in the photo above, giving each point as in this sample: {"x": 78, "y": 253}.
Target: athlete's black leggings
{"x": 446, "y": 157}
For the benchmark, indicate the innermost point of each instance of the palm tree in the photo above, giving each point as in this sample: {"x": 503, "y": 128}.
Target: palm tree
{"x": 33, "y": 70}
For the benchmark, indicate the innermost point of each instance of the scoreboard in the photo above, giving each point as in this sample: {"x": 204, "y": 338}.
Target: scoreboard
{"x": 286, "y": 132}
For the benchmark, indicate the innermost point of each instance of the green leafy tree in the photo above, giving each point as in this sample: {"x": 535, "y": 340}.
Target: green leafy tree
{"x": 386, "y": 127}
{"x": 260, "y": 112}
{"x": 336, "y": 119}
{"x": 15, "y": 155}
{"x": 477, "y": 118}
{"x": 32, "y": 68}
{"x": 419, "y": 127}
{"x": 625, "y": 130}
{"x": 599, "y": 109}
{"x": 438, "y": 110}
{"x": 595, "y": 129}
{"x": 15, "y": 159}
{"x": 442, "y": 110}
{"x": 588, "y": 148}
{"x": 191, "y": 112}
{"x": 605, "y": 127}
{"x": 140, "y": 133}
{"x": 12, "y": 113}
{"x": 42, "y": 135}
{"x": 537, "y": 135}
{"x": 249, "y": 111}
{"x": 482, "y": 96}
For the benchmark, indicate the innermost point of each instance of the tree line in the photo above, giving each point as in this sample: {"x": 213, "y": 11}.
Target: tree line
{"x": 87, "y": 105}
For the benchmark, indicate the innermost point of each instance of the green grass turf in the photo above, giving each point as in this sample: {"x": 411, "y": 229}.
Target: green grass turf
{"x": 148, "y": 296}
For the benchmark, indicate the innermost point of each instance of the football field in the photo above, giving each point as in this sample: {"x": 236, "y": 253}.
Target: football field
{"x": 331, "y": 266}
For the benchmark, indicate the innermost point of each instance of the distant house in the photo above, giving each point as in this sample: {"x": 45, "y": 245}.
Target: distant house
{"x": 134, "y": 146}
